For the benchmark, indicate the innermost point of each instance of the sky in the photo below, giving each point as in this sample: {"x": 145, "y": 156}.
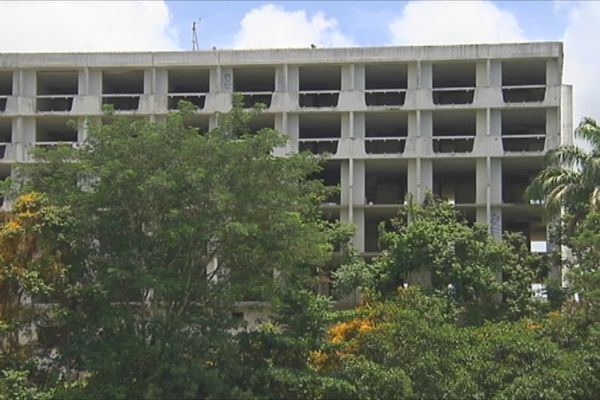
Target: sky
{"x": 30, "y": 26}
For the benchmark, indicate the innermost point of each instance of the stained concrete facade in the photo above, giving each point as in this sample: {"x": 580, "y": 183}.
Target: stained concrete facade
{"x": 471, "y": 122}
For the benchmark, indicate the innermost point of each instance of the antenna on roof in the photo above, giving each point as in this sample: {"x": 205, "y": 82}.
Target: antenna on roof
{"x": 195, "y": 46}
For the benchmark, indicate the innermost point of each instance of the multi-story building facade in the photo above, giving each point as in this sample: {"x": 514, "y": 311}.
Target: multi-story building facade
{"x": 470, "y": 123}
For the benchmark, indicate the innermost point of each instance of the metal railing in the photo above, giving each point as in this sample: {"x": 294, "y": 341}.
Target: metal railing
{"x": 453, "y": 143}
{"x": 453, "y": 95}
{"x": 54, "y": 102}
{"x": 318, "y": 98}
{"x": 523, "y": 93}
{"x": 523, "y": 142}
{"x": 385, "y": 97}
{"x": 319, "y": 145}
{"x": 196, "y": 98}
{"x": 122, "y": 101}
{"x": 385, "y": 144}
{"x": 252, "y": 98}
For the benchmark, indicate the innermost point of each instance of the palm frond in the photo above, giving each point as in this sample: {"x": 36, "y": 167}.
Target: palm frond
{"x": 567, "y": 156}
{"x": 589, "y": 130}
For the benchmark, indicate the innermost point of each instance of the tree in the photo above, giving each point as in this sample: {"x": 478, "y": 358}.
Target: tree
{"x": 465, "y": 262}
{"x": 570, "y": 180}
{"x": 406, "y": 347}
{"x": 171, "y": 227}
{"x": 31, "y": 268}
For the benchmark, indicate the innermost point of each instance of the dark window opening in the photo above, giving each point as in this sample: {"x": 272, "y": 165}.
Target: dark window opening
{"x": 385, "y": 84}
{"x": 319, "y": 86}
{"x": 5, "y": 88}
{"x": 523, "y": 130}
{"x": 523, "y": 81}
{"x": 188, "y": 85}
{"x": 453, "y": 83}
{"x": 256, "y": 85}
{"x": 122, "y": 89}
{"x": 454, "y": 131}
{"x": 319, "y": 133}
{"x": 56, "y": 90}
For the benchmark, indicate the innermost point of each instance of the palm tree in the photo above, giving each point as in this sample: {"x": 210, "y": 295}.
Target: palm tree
{"x": 570, "y": 180}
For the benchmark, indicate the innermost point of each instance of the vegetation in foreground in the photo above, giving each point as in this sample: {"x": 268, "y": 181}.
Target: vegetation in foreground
{"x": 106, "y": 254}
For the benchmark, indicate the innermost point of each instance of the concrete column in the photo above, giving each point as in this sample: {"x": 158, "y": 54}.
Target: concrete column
{"x": 482, "y": 78}
{"x": 356, "y": 195}
{"x": 226, "y": 80}
{"x": 481, "y": 123}
{"x": 552, "y": 72}
{"x": 214, "y": 79}
{"x": 28, "y": 83}
{"x": 149, "y": 81}
{"x": 358, "y": 182}
{"x": 552, "y": 128}
{"x": 281, "y": 78}
{"x": 412, "y": 76}
{"x": 359, "y": 125}
{"x": 419, "y": 178}
{"x": 566, "y": 116}
{"x": 344, "y": 183}
{"x": 293, "y": 78}
{"x": 83, "y": 78}
{"x": 489, "y": 192}
{"x": 346, "y": 124}
{"x": 161, "y": 81}
{"x": 347, "y": 77}
{"x": 426, "y": 75}
{"x": 359, "y": 77}
{"x": 495, "y": 122}
{"x": 94, "y": 83}
{"x": 495, "y": 77}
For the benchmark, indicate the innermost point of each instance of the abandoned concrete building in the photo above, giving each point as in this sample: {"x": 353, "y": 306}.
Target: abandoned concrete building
{"x": 470, "y": 122}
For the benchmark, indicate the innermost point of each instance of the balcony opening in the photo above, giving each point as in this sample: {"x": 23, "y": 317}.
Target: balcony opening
{"x": 188, "y": 85}
{"x": 320, "y": 86}
{"x": 319, "y": 133}
{"x": 54, "y": 131}
{"x": 122, "y": 89}
{"x": 385, "y": 133}
{"x": 385, "y": 84}
{"x": 199, "y": 122}
{"x": 330, "y": 175}
{"x": 56, "y": 90}
{"x": 385, "y": 184}
{"x": 5, "y": 88}
{"x": 517, "y": 175}
{"x": 373, "y": 218}
{"x": 523, "y": 81}
{"x": 455, "y": 181}
{"x": 260, "y": 122}
{"x": 255, "y": 84}
{"x": 454, "y": 131}
{"x": 453, "y": 83}
{"x": 5, "y": 136}
{"x": 531, "y": 227}
{"x": 523, "y": 130}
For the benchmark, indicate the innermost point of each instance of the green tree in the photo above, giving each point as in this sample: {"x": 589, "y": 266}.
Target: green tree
{"x": 31, "y": 268}
{"x": 171, "y": 227}
{"x": 465, "y": 263}
{"x": 570, "y": 180}
{"x": 406, "y": 347}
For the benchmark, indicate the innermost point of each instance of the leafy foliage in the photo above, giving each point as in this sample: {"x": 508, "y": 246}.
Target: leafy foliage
{"x": 465, "y": 263}
{"x": 571, "y": 178}
{"x": 169, "y": 229}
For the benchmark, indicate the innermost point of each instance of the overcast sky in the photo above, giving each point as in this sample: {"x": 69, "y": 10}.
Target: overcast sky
{"x": 166, "y": 25}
